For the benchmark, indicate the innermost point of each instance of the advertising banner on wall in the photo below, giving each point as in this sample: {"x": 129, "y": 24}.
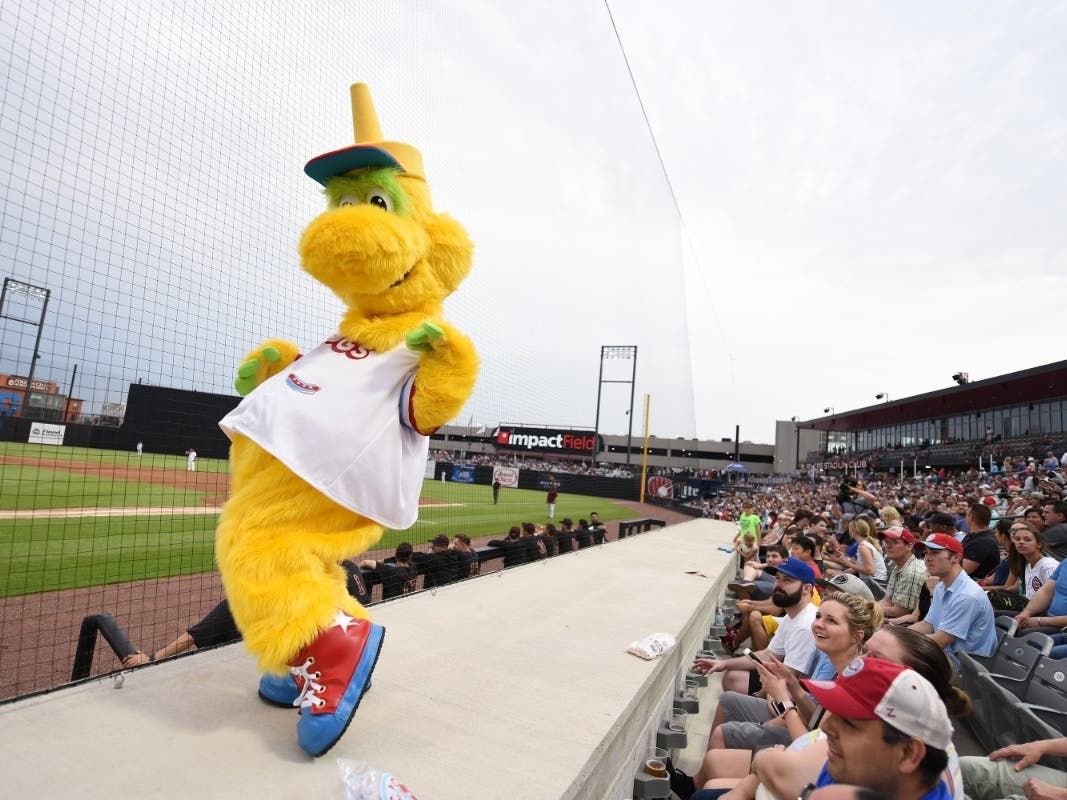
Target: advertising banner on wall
{"x": 462, "y": 474}
{"x": 547, "y": 440}
{"x": 41, "y": 433}
{"x": 508, "y": 477}
{"x": 661, "y": 487}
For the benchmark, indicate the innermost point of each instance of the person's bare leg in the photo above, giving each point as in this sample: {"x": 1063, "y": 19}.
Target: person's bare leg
{"x": 736, "y": 680}
{"x": 719, "y": 718}
{"x": 722, "y": 764}
{"x": 760, "y": 637}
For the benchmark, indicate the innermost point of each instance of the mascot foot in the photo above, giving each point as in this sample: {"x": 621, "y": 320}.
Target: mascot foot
{"x": 333, "y": 673}
{"x": 282, "y": 691}
{"x": 279, "y": 690}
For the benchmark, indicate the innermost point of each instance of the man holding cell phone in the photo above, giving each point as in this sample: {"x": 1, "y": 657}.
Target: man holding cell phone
{"x": 793, "y": 644}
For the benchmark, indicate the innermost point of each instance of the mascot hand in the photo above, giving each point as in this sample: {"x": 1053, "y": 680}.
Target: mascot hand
{"x": 425, "y": 337}
{"x": 264, "y": 362}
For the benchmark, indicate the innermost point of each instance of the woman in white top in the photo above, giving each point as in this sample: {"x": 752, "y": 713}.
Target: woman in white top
{"x": 1038, "y": 565}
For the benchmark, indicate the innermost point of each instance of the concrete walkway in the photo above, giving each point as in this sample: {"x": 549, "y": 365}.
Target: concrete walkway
{"x": 513, "y": 685}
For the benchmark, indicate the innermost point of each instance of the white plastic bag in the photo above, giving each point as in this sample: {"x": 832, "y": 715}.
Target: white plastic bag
{"x": 652, "y": 646}
{"x": 364, "y": 782}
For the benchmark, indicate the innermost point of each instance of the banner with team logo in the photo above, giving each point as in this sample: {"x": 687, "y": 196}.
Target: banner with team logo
{"x": 661, "y": 487}
{"x": 508, "y": 477}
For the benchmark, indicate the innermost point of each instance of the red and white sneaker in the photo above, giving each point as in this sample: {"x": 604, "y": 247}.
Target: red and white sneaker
{"x": 332, "y": 674}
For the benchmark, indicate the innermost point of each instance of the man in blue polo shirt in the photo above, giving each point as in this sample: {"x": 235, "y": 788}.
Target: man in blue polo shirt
{"x": 960, "y": 618}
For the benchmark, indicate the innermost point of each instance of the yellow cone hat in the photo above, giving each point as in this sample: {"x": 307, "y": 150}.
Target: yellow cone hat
{"x": 370, "y": 150}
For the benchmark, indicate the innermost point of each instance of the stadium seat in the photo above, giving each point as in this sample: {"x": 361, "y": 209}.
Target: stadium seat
{"x": 995, "y": 694}
{"x": 969, "y": 671}
{"x": 1046, "y": 693}
{"x": 1016, "y": 658}
{"x": 1009, "y": 721}
{"x": 1006, "y": 626}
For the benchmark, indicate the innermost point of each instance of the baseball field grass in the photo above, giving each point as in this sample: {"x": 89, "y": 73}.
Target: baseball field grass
{"x": 27, "y": 487}
{"x": 117, "y": 458}
{"x": 73, "y": 518}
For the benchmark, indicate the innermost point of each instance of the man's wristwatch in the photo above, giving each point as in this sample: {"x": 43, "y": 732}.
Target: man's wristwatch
{"x": 781, "y": 709}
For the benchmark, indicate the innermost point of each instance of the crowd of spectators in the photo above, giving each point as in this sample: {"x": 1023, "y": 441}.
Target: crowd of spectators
{"x": 603, "y": 470}
{"x": 1011, "y": 483}
{"x": 467, "y": 459}
{"x": 861, "y": 588}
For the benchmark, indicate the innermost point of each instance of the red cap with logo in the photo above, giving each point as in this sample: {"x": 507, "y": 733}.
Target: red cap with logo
{"x": 941, "y": 541}
{"x": 870, "y": 688}
{"x": 899, "y": 533}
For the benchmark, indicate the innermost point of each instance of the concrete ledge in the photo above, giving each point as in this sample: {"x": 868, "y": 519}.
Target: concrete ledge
{"x": 513, "y": 685}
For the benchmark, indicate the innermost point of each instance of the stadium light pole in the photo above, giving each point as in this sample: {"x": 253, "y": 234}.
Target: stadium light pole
{"x": 12, "y": 286}
{"x": 624, "y": 352}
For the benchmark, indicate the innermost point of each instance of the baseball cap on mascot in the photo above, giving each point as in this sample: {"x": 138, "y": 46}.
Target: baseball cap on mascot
{"x": 369, "y": 150}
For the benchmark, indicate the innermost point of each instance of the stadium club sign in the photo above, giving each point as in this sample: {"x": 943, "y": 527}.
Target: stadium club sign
{"x": 547, "y": 440}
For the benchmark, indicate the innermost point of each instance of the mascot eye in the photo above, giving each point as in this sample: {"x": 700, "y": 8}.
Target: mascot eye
{"x": 379, "y": 198}
{"x": 348, "y": 200}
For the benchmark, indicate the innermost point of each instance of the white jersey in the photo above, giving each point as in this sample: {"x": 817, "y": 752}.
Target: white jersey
{"x": 340, "y": 417}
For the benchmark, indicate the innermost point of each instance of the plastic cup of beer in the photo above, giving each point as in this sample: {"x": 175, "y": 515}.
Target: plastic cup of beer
{"x": 656, "y": 762}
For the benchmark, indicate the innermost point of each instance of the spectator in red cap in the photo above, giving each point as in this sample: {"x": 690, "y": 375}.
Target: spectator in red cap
{"x": 960, "y": 616}
{"x": 886, "y": 729}
{"x": 907, "y": 577}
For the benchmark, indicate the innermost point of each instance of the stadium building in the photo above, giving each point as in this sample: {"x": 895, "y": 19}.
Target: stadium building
{"x": 1018, "y": 413}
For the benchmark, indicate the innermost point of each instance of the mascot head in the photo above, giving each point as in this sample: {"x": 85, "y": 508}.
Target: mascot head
{"x": 380, "y": 246}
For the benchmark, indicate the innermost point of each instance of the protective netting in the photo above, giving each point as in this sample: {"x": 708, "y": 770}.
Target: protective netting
{"x": 151, "y": 155}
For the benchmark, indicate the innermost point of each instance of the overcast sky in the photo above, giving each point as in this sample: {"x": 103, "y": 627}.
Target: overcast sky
{"x": 874, "y": 192}
{"x": 869, "y": 194}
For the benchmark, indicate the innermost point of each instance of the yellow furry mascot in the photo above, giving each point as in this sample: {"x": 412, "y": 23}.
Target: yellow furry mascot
{"x": 330, "y": 446}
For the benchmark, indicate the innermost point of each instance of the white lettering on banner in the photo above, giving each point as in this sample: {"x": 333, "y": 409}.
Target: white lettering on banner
{"x": 561, "y": 441}
{"x": 20, "y": 383}
{"x": 42, "y": 433}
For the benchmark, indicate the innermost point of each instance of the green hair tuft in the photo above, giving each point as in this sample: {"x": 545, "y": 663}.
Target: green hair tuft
{"x": 361, "y": 183}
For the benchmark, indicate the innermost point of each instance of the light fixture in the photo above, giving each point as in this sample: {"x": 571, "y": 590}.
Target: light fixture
{"x": 882, "y": 396}
{"x": 828, "y": 410}
{"x": 961, "y": 378}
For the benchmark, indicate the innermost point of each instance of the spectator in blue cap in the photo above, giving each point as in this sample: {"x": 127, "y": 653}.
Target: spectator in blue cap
{"x": 793, "y": 644}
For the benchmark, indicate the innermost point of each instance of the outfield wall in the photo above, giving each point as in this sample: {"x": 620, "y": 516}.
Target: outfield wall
{"x": 554, "y": 708}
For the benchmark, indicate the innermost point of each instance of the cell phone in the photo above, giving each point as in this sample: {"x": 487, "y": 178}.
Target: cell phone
{"x": 748, "y": 652}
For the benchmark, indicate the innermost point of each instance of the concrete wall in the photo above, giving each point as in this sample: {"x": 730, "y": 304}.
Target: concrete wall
{"x": 512, "y": 685}
{"x": 787, "y": 454}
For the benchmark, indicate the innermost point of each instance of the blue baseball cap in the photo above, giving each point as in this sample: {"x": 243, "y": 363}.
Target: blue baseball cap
{"x": 794, "y": 568}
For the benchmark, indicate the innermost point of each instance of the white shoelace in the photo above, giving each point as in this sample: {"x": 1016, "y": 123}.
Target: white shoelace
{"x": 308, "y": 696}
